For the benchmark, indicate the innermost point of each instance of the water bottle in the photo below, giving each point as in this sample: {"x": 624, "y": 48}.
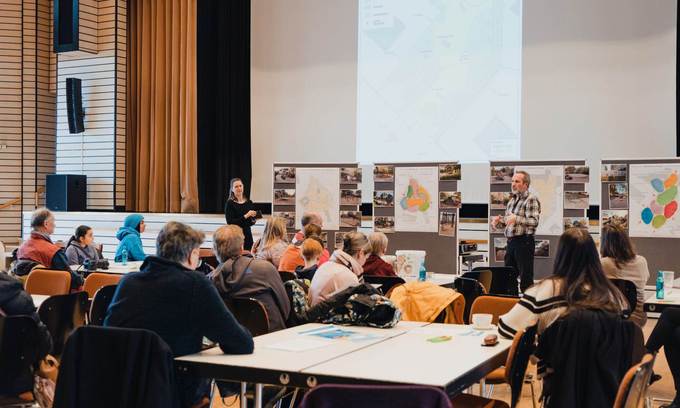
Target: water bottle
{"x": 659, "y": 286}
{"x": 123, "y": 257}
{"x": 422, "y": 273}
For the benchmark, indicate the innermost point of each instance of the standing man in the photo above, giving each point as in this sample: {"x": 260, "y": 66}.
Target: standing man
{"x": 520, "y": 222}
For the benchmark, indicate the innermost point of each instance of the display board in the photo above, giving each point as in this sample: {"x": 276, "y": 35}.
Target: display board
{"x": 642, "y": 196}
{"x": 416, "y": 205}
{"x": 561, "y": 189}
{"x": 329, "y": 189}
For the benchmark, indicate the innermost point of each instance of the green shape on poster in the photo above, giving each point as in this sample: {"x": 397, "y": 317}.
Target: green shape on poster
{"x": 667, "y": 196}
{"x": 658, "y": 221}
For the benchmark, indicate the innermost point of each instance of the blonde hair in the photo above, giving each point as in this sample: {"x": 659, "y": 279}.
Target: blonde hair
{"x": 274, "y": 231}
{"x": 377, "y": 243}
{"x": 311, "y": 248}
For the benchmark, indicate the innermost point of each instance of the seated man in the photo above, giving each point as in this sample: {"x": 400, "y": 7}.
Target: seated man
{"x": 14, "y": 301}
{"x": 168, "y": 297}
{"x": 39, "y": 247}
{"x": 240, "y": 275}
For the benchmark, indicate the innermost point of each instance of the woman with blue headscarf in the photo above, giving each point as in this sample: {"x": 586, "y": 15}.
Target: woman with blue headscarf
{"x": 130, "y": 239}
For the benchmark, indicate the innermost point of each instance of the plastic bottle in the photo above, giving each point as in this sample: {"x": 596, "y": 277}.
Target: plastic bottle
{"x": 123, "y": 257}
{"x": 422, "y": 273}
{"x": 659, "y": 286}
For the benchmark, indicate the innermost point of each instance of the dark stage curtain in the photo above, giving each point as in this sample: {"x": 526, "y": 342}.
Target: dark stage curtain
{"x": 223, "y": 68}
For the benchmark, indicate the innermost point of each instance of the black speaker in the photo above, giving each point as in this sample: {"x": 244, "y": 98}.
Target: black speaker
{"x": 65, "y": 25}
{"x": 74, "y": 105}
{"x": 66, "y": 192}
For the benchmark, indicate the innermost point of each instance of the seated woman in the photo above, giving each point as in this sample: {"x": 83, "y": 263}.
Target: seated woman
{"x": 577, "y": 282}
{"x": 130, "y": 239}
{"x": 273, "y": 243}
{"x": 619, "y": 261}
{"x": 342, "y": 271}
{"x": 14, "y": 301}
{"x": 312, "y": 248}
{"x": 375, "y": 266}
{"x": 80, "y": 247}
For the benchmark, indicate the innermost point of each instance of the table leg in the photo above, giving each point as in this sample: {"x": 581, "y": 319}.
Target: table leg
{"x": 258, "y": 395}
{"x": 243, "y": 399}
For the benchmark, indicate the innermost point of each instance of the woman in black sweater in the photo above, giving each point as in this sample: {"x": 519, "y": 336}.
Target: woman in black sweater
{"x": 239, "y": 210}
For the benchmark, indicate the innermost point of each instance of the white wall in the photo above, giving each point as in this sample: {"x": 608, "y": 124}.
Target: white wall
{"x": 303, "y": 85}
{"x": 598, "y": 81}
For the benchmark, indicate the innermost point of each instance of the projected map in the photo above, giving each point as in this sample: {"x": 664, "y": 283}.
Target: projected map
{"x": 439, "y": 80}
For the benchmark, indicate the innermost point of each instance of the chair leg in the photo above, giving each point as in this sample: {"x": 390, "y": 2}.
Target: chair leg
{"x": 292, "y": 399}
{"x": 482, "y": 387}
{"x": 212, "y": 393}
{"x": 534, "y": 400}
{"x": 243, "y": 399}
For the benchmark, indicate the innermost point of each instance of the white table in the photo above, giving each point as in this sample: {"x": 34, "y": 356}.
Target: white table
{"x": 654, "y": 305}
{"x": 441, "y": 279}
{"x": 401, "y": 356}
{"x": 114, "y": 268}
{"x": 38, "y": 300}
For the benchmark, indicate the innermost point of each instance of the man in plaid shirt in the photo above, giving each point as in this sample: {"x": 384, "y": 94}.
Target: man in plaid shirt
{"x": 520, "y": 222}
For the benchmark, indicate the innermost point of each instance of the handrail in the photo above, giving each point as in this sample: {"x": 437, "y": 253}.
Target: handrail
{"x": 10, "y": 203}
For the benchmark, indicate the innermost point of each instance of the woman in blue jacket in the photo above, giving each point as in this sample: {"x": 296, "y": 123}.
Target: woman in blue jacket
{"x": 129, "y": 236}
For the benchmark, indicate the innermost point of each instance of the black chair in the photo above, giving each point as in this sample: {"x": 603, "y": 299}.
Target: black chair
{"x": 386, "y": 282}
{"x": 18, "y": 352}
{"x": 483, "y": 276}
{"x": 100, "y": 304}
{"x": 62, "y": 314}
{"x": 503, "y": 279}
{"x": 251, "y": 313}
{"x": 629, "y": 291}
{"x": 471, "y": 290}
{"x": 287, "y": 276}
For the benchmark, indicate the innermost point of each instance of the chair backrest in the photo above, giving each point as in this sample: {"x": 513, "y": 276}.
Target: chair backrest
{"x": 287, "y": 276}
{"x": 471, "y": 289}
{"x": 96, "y": 280}
{"x": 100, "y": 304}
{"x": 634, "y": 385}
{"x": 18, "y": 347}
{"x": 484, "y": 277}
{"x": 62, "y": 314}
{"x": 494, "y": 305}
{"x": 629, "y": 291}
{"x": 504, "y": 279}
{"x": 523, "y": 345}
{"x": 386, "y": 282}
{"x": 374, "y": 396}
{"x": 251, "y": 313}
{"x": 208, "y": 256}
{"x": 48, "y": 282}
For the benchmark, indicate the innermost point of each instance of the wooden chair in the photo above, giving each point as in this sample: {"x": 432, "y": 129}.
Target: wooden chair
{"x": 471, "y": 289}
{"x": 208, "y": 256}
{"x": 62, "y": 314}
{"x": 287, "y": 276}
{"x": 251, "y": 313}
{"x": 503, "y": 281}
{"x": 523, "y": 345}
{"x": 96, "y": 280}
{"x": 629, "y": 291}
{"x": 100, "y": 304}
{"x": 18, "y": 352}
{"x": 493, "y": 305}
{"x": 386, "y": 282}
{"x": 48, "y": 282}
{"x": 485, "y": 277}
{"x": 634, "y": 385}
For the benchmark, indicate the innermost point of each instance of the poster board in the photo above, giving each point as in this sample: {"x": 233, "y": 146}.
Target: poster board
{"x": 330, "y": 189}
{"x": 561, "y": 189}
{"x": 416, "y": 205}
{"x": 629, "y": 192}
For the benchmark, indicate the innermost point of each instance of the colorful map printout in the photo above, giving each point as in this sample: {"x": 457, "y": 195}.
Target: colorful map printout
{"x": 416, "y": 199}
{"x": 654, "y": 200}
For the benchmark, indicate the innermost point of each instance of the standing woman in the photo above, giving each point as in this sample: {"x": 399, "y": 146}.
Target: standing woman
{"x": 239, "y": 210}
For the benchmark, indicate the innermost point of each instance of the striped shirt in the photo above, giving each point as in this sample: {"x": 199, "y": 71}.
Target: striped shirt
{"x": 527, "y": 210}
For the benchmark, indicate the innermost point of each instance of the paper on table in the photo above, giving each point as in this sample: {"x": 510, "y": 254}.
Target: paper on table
{"x": 299, "y": 343}
{"x": 332, "y": 332}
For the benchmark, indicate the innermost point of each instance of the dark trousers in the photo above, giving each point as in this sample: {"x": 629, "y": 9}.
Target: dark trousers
{"x": 666, "y": 334}
{"x": 520, "y": 255}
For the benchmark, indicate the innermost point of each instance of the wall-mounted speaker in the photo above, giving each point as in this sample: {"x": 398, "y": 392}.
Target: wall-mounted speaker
{"x": 65, "y": 25}
{"x": 66, "y": 192}
{"x": 74, "y": 105}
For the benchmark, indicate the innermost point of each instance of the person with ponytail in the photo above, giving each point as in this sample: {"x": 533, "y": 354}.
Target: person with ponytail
{"x": 81, "y": 247}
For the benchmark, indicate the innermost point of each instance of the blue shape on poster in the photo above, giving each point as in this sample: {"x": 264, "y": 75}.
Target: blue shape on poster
{"x": 647, "y": 215}
{"x": 658, "y": 185}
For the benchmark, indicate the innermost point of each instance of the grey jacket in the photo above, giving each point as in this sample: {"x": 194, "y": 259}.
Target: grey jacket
{"x": 77, "y": 255}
